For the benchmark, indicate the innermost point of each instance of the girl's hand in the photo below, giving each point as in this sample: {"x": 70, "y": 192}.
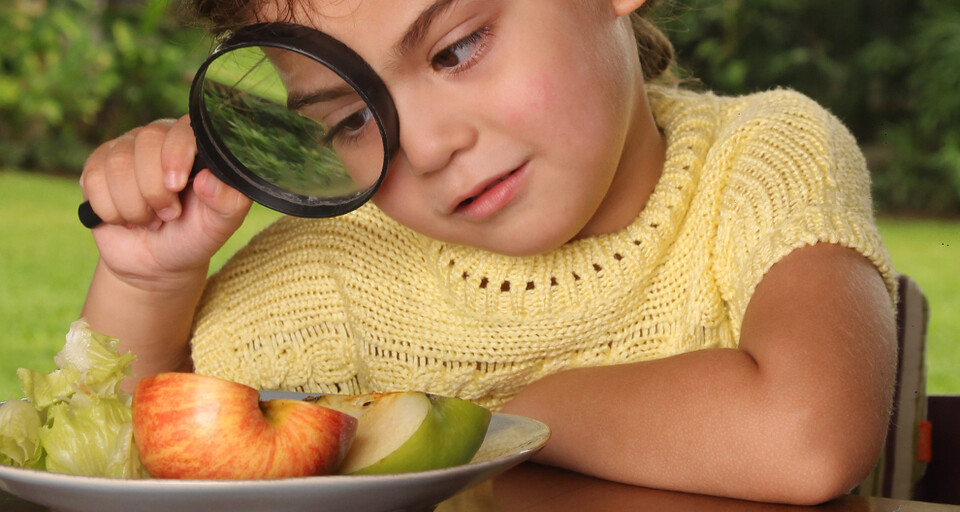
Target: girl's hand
{"x": 156, "y": 227}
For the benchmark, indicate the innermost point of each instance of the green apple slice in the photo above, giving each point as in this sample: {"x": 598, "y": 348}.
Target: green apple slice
{"x": 409, "y": 431}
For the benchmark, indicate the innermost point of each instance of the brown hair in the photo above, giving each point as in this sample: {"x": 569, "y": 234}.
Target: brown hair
{"x": 656, "y": 50}
{"x": 219, "y": 17}
{"x": 223, "y": 16}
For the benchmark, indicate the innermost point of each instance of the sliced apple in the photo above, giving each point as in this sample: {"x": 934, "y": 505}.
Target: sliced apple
{"x": 197, "y": 427}
{"x": 409, "y": 431}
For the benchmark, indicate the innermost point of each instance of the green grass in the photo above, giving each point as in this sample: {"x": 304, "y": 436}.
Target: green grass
{"x": 929, "y": 252}
{"x": 46, "y": 258}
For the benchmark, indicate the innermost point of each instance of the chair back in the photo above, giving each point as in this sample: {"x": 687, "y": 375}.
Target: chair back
{"x": 907, "y": 447}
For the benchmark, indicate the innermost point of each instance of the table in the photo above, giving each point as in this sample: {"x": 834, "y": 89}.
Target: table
{"x": 535, "y": 488}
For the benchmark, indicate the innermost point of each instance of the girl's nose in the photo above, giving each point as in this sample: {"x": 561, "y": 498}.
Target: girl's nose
{"x": 433, "y": 131}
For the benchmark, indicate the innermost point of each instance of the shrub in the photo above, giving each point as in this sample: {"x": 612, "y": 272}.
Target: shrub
{"x": 74, "y": 73}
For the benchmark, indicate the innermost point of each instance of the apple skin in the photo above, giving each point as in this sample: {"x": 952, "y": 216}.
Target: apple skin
{"x": 190, "y": 426}
{"x": 410, "y": 431}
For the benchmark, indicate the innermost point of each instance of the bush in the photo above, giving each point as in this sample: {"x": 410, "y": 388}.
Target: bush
{"x": 79, "y": 72}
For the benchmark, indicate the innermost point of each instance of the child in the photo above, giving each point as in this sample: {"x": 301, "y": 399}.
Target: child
{"x": 688, "y": 289}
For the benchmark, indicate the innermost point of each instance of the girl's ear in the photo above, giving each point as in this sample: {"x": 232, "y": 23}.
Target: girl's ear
{"x": 625, "y": 7}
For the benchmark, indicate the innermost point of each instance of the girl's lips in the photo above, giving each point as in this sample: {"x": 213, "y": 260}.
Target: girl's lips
{"x": 492, "y": 196}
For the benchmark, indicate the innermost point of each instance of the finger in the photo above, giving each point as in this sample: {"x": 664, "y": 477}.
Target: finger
{"x": 149, "y": 172}
{"x": 178, "y": 154}
{"x": 119, "y": 167}
{"x": 226, "y": 202}
{"x": 93, "y": 185}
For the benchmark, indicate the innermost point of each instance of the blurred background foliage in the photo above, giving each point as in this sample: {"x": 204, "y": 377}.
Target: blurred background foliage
{"x": 74, "y": 73}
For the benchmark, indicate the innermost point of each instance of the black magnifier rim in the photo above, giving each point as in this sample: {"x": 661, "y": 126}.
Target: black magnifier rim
{"x": 336, "y": 56}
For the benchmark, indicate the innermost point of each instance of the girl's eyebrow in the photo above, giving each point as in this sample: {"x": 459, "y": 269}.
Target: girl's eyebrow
{"x": 411, "y": 38}
{"x": 298, "y": 100}
{"x": 419, "y": 28}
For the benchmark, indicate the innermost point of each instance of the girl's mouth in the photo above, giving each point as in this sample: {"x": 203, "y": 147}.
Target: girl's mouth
{"x": 469, "y": 200}
{"x": 493, "y": 196}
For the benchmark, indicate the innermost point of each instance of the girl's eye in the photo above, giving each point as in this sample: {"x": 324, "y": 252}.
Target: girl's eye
{"x": 461, "y": 53}
{"x": 350, "y": 128}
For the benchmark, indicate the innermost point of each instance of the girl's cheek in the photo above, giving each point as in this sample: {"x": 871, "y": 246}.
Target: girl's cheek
{"x": 531, "y": 101}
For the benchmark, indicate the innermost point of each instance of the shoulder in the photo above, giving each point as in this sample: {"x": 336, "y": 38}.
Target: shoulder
{"x": 789, "y": 174}
{"x": 770, "y": 104}
{"x": 789, "y": 123}
{"x": 754, "y": 122}
{"x": 775, "y": 104}
{"x": 781, "y": 155}
{"x": 363, "y": 230}
{"x": 293, "y": 251}
{"x": 776, "y": 151}
{"x": 786, "y": 143}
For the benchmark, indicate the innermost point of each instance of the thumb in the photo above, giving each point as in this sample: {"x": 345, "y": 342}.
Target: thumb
{"x": 225, "y": 205}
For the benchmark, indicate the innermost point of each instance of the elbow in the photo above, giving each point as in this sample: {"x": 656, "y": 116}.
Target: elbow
{"x": 823, "y": 445}
{"x": 827, "y": 463}
{"x": 819, "y": 481}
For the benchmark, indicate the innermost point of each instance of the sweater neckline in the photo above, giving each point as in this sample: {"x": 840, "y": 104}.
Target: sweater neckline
{"x": 490, "y": 284}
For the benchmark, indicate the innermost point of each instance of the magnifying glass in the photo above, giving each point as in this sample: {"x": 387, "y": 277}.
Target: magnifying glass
{"x": 292, "y": 118}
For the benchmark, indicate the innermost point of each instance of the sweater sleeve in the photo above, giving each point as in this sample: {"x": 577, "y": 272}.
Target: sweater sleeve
{"x": 795, "y": 177}
{"x": 273, "y": 318}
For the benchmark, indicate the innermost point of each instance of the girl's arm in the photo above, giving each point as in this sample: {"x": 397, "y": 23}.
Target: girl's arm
{"x": 797, "y": 414}
{"x": 152, "y": 322}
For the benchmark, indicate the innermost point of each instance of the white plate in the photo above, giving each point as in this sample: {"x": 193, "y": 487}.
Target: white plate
{"x": 509, "y": 441}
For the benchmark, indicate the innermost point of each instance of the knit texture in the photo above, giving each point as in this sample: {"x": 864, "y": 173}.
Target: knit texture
{"x": 360, "y": 303}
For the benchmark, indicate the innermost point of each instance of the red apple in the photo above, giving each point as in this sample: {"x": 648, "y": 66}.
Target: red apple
{"x": 197, "y": 427}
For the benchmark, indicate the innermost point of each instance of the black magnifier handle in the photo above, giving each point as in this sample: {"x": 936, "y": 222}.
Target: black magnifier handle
{"x": 90, "y": 219}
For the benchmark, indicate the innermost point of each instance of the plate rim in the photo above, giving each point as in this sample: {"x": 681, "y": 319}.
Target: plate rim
{"x": 38, "y": 476}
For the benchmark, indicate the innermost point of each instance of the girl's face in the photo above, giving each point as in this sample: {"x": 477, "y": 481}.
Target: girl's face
{"x": 523, "y": 123}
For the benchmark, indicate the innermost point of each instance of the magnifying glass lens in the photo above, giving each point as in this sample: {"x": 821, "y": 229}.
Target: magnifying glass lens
{"x": 291, "y": 125}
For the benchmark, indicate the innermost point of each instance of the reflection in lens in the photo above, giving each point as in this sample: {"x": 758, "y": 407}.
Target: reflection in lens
{"x": 246, "y": 96}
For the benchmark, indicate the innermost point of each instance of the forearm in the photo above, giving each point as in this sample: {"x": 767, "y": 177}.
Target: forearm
{"x": 710, "y": 422}
{"x": 153, "y": 322}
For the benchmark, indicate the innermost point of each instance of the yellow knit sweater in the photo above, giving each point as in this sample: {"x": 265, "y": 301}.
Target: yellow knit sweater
{"x": 360, "y": 303}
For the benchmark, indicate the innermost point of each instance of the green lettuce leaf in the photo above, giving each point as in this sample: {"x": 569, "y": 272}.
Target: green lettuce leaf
{"x": 81, "y": 422}
{"x": 20, "y": 435}
{"x": 89, "y": 435}
{"x": 43, "y": 390}
{"x": 96, "y": 358}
